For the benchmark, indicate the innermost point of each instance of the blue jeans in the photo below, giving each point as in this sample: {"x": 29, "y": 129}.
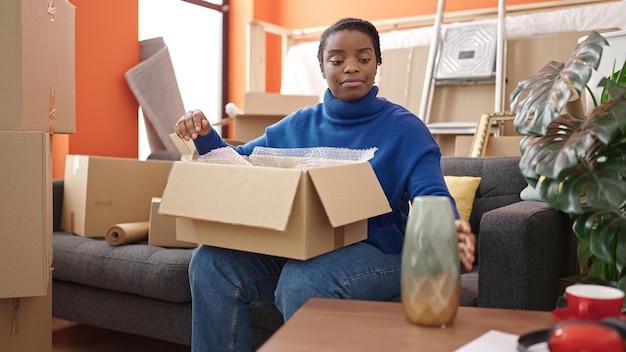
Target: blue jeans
{"x": 224, "y": 282}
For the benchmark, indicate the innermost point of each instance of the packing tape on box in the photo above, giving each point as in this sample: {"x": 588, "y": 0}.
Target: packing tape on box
{"x": 52, "y": 111}
{"x": 120, "y": 234}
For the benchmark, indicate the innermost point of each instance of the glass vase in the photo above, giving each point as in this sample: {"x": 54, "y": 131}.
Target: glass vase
{"x": 430, "y": 263}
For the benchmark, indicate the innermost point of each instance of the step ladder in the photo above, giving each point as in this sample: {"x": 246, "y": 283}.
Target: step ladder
{"x": 438, "y": 74}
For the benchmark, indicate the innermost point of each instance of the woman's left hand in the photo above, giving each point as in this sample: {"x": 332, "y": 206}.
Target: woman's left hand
{"x": 467, "y": 243}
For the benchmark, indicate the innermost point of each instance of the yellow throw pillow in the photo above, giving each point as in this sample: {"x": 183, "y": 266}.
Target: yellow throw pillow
{"x": 463, "y": 190}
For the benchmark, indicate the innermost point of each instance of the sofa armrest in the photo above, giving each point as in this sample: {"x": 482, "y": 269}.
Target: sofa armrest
{"x": 57, "y": 204}
{"x": 522, "y": 247}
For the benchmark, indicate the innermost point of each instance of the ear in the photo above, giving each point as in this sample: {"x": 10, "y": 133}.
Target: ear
{"x": 322, "y": 71}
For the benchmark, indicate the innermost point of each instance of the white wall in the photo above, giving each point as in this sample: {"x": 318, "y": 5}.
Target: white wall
{"x": 193, "y": 35}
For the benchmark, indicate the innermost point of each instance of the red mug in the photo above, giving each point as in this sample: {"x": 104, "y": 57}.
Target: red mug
{"x": 594, "y": 302}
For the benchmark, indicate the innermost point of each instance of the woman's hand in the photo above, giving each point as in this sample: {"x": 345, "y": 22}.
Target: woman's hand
{"x": 191, "y": 125}
{"x": 467, "y": 243}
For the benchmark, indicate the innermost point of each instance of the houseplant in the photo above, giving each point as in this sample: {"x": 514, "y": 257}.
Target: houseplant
{"x": 577, "y": 161}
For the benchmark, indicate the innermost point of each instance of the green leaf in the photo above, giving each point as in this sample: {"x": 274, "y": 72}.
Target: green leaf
{"x": 595, "y": 269}
{"x": 546, "y": 95}
{"x": 573, "y": 170}
{"x": 617, "y": 77}
{"x": 539, "y": 99}
{"x": 583, "y": 253}
{"x": 564, "y": 195}
{"x": 608, "y": 120}
{"x": 620, "y": 250}
{"x": 603, "y": 231}
{"x": 602, "y": 238}
{"x": 601, "y": 269}
{"x": 545, "y": 155}
{"x": 561, "y": 302}
{"x": 606, "y": 181}
{"x": 621, "y": 284}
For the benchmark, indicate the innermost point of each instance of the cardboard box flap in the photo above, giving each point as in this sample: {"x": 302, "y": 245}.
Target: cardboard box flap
{"x": 225, "y": 121}
{"x": 349, "y": 193}
{"x": 187, "y": 149}
{"x": 265, "y": 196}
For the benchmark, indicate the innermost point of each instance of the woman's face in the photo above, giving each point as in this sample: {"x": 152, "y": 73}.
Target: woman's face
{"x": 349, "y": 64}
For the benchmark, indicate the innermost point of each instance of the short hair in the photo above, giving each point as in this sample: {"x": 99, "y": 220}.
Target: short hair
{"x": 350, "y": 23}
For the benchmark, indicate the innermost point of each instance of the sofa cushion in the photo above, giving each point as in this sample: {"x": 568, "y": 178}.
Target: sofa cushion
{"x": 139, "y": 269}
{"x": 530, "y": 193}
{"x": 463, "y": 190}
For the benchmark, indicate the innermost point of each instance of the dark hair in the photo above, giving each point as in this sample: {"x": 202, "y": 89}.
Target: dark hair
{"x": 360, "y": 25}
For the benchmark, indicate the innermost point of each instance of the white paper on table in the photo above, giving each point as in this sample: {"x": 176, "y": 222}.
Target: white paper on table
{"x": 498, "y": 341}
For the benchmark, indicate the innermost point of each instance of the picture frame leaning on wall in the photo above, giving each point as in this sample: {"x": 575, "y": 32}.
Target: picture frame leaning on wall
{"x": 483, "y": 131}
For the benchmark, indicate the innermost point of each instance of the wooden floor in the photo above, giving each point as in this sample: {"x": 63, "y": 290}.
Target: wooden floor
{"x": 74, "y": 337}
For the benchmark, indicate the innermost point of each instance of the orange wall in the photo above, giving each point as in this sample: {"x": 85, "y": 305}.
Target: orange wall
{"x": 241, "y": 11}
{"x": 299, "y": 14}
{"x": 106, "y": 110}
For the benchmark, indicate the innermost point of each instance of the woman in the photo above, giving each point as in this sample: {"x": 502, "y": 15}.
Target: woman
{"x": 407, "y": 163}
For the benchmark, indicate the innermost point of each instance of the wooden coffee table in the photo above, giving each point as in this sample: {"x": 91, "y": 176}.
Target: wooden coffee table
{"x": 349, "y": 325}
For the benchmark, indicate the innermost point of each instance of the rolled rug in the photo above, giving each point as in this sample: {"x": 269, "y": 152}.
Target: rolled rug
{"x": 126, "y": 233}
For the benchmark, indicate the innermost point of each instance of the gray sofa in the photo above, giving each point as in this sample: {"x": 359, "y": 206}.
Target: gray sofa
{"x": 524, "y": 247}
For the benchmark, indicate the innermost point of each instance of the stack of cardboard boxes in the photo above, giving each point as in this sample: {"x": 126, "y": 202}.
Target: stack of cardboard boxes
{"x": 37, "y": 98}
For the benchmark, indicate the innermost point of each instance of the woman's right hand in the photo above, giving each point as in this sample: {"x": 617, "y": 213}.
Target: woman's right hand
{"x": 191, "y": 125}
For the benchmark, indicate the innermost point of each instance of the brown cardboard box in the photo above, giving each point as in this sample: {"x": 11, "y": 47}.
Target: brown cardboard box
{"x": 251, "y": 126}
{"x": 25, "y": 213}
{"x": 26, "y": 323}
{"x": 162, "y": 229}
{"x": 37, "y": 91}
{"x": 496, "y": 146}
{"x": 279, "y": 211}
{"x": 265, "y": 109}
{"x": 99, "y": 192}
{"x": 276, "y": 104}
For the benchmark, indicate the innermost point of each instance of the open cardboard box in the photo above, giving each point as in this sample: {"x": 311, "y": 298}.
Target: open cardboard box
{"x": 279, "y": 211}
{"x": 186, "y": 149}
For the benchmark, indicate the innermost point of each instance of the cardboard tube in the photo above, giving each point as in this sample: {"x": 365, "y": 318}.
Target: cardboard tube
{"x": 126, "y": 233}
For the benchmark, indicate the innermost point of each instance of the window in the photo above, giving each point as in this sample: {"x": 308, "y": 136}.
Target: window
{"x": 193, "y": 32}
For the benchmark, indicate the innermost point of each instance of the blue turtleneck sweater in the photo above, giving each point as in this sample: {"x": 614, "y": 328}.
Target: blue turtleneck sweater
{"x": 407, "y": 161}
